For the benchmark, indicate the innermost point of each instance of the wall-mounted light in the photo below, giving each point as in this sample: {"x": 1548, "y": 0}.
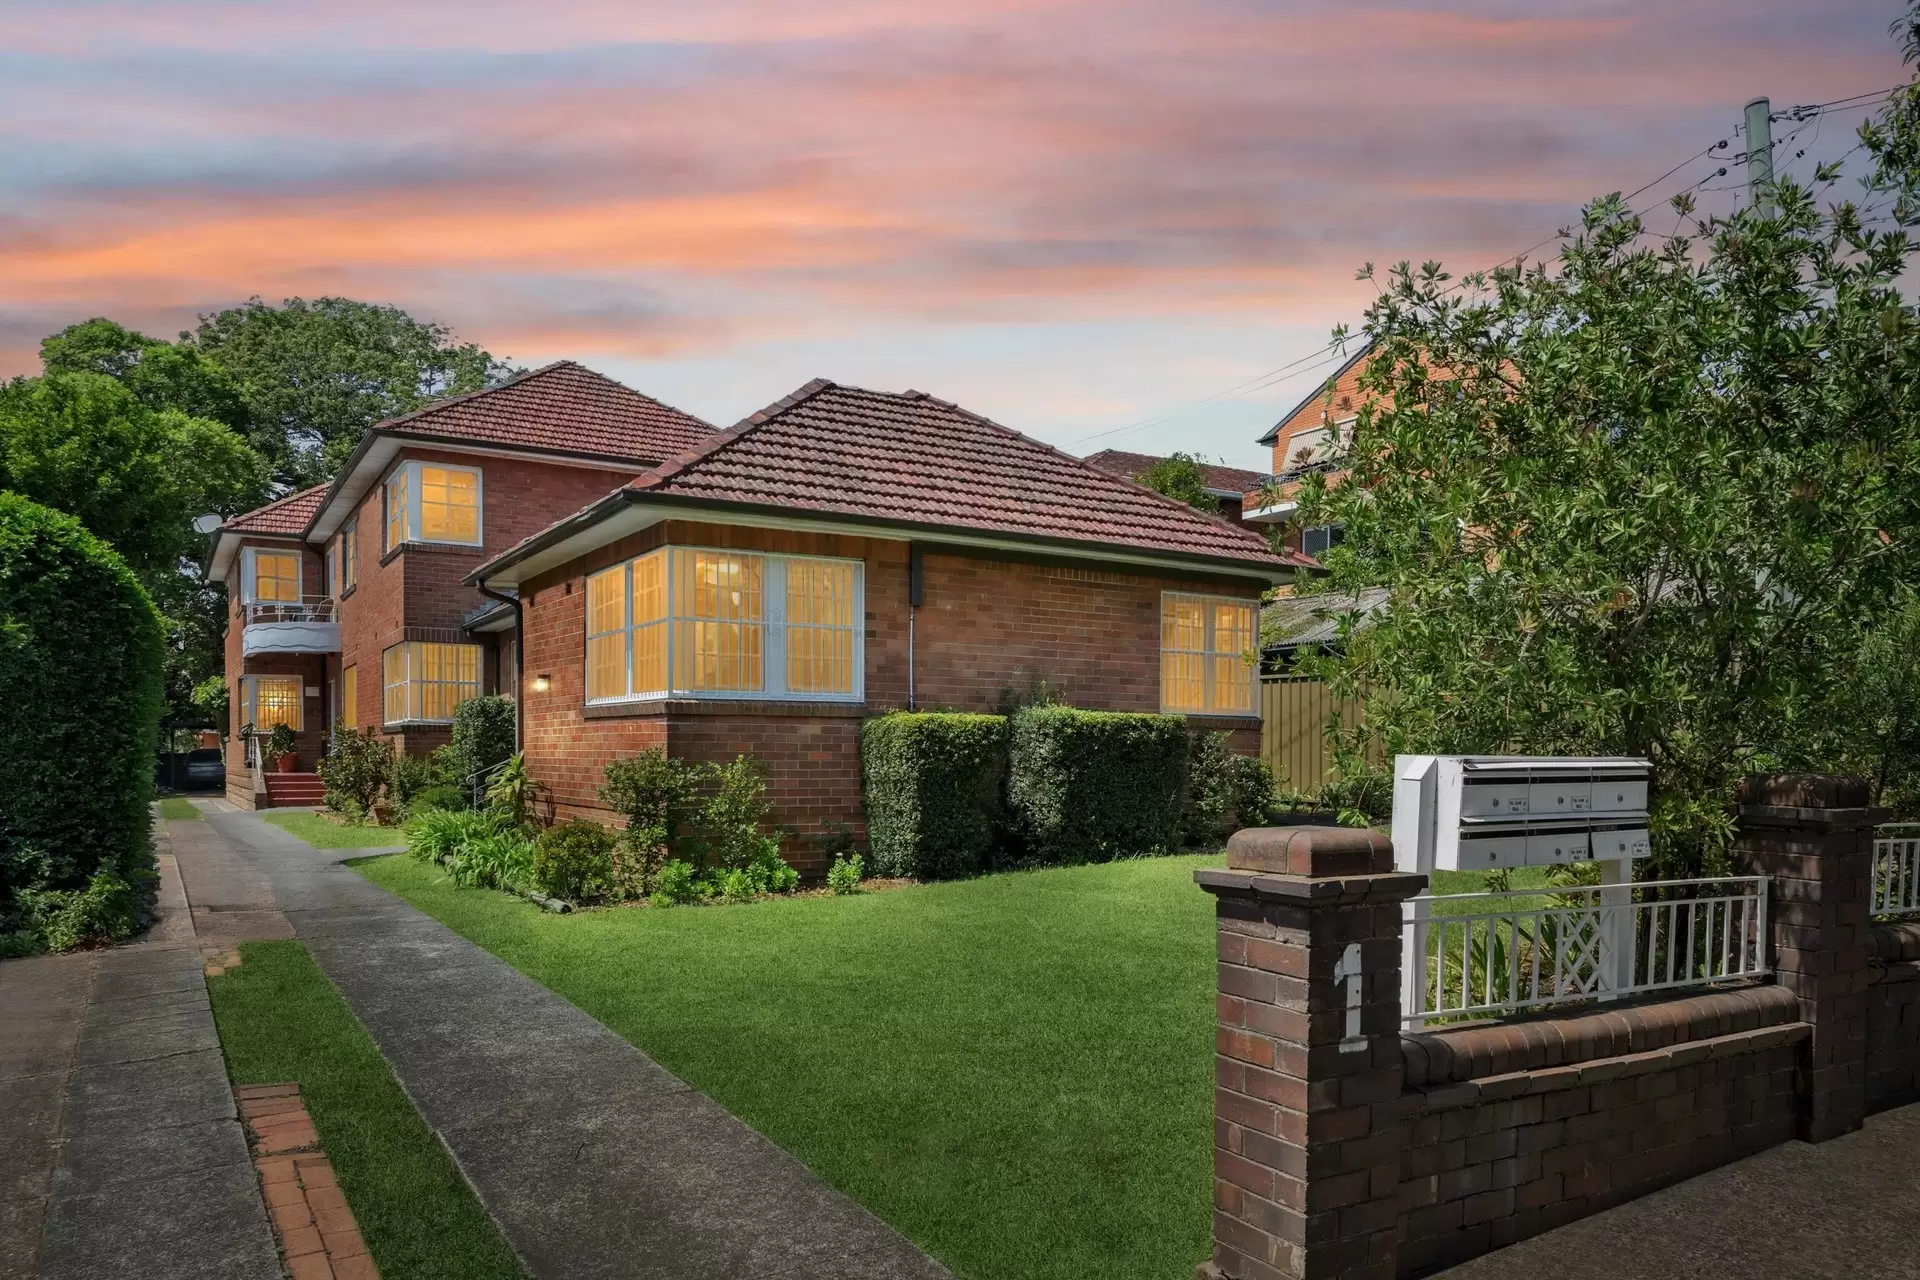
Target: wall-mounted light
{"x": 542, "y": 683}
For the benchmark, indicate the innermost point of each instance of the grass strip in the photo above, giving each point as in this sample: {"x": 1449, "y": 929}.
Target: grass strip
{"x": 325, "y": 833}
{"x": 178, "y": 809}
{"x": 281, "y": 1019}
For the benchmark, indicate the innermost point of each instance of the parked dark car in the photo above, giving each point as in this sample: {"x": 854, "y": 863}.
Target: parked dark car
{"x": 201, "y": 769}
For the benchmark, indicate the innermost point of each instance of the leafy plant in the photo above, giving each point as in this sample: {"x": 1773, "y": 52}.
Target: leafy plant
{"x": 436, "y": 834}
{"x": 1182, "y": 478}
{"x": 1225, "y": 791}
{"x": 657, "y": 795}
{"x": 354, "y": 771}
{"x": 574, "y": 860}
{"x": 280, "y": 742}
{"x": 500, "y": 860}
{"x": 514, "y": 793}
{"x": 731, "y": 814}
{"x": 843, "y": 877}
{"x": 676, "y": 883}
{"x": 440, "y": 795}
{"x": 483, "y": 730}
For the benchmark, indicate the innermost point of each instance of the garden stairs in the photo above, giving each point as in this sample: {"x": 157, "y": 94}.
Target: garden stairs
{"x": 293, "y": 790}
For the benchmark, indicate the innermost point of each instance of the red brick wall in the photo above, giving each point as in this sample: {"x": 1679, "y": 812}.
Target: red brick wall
{"x": 1893, "y": 1016}
{"x": 311, "y": 740}
{"x": 982, "y": 623}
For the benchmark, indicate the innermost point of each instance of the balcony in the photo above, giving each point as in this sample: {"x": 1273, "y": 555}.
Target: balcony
{"x": 308, "y": 626}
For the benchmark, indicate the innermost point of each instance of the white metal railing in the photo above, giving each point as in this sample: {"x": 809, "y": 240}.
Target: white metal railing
{"x": 1896, "y": 870}
{"x": 1487, "y": 954}
{"x": 313, "y": 609}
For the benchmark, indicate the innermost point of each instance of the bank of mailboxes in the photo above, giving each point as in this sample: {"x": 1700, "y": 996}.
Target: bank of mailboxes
{"x": 1481, "y": 813}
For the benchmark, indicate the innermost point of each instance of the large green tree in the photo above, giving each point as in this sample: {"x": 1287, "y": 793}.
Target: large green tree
{"x": 1644, "y": 500}
{"x": 160, "y": 374}
{"x": 316, "y": 374}
{"x": 1182, "y": 478}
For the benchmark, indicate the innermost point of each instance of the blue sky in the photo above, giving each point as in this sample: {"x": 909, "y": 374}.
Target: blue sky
{"x": 1073, "y": 217}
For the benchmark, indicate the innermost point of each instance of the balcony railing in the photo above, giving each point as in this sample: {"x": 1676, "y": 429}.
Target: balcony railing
{"x": 312, "y": 609}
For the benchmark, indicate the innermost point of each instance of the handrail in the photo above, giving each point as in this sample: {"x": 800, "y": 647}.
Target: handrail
{"x": 310, "y": 609}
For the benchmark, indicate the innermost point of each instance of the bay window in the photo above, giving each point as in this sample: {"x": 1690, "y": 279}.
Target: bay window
{"x": 273, "y": 577}
{"x": 266, "y": 701}
{"x": 1209, "y": 656}
{"x": 423, "y": 682}
{"x": 694, "y": 622}
{"x": 427, "y": 502}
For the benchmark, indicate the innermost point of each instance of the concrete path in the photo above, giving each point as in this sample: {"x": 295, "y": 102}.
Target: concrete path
{"x": 594, "y": 1160}
{"x": 121, "y": 1153}
{"x": 1849, "y": 1207}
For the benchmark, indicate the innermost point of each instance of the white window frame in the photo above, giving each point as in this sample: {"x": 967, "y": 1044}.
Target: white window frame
{"x": 773, "y": 637}
{"x": 1328, "y": 531}
{"x": 409, "y": 682}
{"x": 410, "y": 472}
{"x": 350, "y": 555}
{"x": 249, "y": 584}
{"x": 1209, "y": 653}
{"x": 250, "y": 700}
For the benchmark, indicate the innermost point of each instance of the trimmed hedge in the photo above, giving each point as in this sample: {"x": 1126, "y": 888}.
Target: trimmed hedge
{"x": 933, "y": 784}
{"x": 1086, "y": 786}
{"x": 81, "y": 653}
{"x": 1225, "y": 792}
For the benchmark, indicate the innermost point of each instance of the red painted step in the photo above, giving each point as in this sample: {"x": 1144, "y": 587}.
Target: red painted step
{"x": 294, "y": 789}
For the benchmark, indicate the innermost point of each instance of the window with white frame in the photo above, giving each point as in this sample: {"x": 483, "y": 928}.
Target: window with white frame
{"x": 423, "y": 682}
{"x": 267, "y": 701}
{"x": 1318, "y": 539}
{"x": 349, "y": 556}
{"x": 333, "y": 571}
{"x": 1209, "y": 658}
{"x": 699, "y": 622}
{"x": 272, "y": 577}
{"x": 428, "y": 502}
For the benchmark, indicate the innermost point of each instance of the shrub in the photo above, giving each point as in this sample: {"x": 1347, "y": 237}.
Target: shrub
{"x": 280, "y": 742}
{"x": 482, "y": 737}
{"x": 658, "y": 796}
{"x": 410, "y": 776}
{"x": 81, "y": 652}
{"x": 437, "y": 834}
{"x": 441, "y": 795}
{"x": 844, "y": 876}
{"x": 499, "y": 860}
{"x": 354, "y": 770}
{"x": 1225, "y": 791}
{"x": 933, "y": 784}
{"x": 728, "y": 822}
{"x": 513, "y": 793}
{"x": 574, "y": 861}
{"x": 1091, "y": 785}
{"x": 677, "y": 882}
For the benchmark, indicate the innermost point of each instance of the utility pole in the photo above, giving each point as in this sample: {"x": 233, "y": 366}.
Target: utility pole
{"x": 1760, "y": 155}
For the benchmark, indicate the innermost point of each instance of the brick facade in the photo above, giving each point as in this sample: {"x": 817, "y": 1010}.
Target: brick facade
{"x": 310, "y": 742}
{"x": 982, "y": 626}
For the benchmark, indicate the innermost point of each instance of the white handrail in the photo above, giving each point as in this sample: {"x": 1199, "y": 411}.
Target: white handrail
{"x": 312, "y": 609}
{"x": 1896, "y": 871}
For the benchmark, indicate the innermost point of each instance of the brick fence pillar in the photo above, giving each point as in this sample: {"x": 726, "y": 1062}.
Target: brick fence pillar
{"x": 1812, "y": 836}
{"x": 1308, "y": 1071}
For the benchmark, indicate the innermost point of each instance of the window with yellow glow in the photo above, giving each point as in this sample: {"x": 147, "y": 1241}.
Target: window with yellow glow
{"x": 349, "y": 709}
{"x": 449, "y": 505}
{"x": 399, "y": 522}
{"x": 272, "y": 700}
{"x": 349, "y": 557}
{"x": 276, "y": 577}
{"x": 1209, "y": 656}
{"x": 698, "y": 622}
{"x": 424, "y": 682}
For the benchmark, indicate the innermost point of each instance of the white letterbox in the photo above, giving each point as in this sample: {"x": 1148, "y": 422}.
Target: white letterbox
{"x": 1477, "y": 813}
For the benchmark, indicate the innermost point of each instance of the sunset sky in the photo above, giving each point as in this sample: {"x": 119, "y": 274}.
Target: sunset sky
{"x": 1073, "y": 217}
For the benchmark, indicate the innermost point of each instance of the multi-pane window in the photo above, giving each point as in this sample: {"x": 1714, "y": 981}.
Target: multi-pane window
{"x": 431, "y": 503}
{"x": 690, "y": 621}
{"x": 271, "y": 700}
{"x": 424, "y": 682}
{"x": 276, "y": 577}
{"x": 348, "y": 712}
{"x": 1317, "y": 540}
{"x": 1209, "y": 659}
{"x": 349, "y": 557}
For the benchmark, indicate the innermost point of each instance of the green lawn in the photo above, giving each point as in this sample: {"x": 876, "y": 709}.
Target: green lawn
{"x": 280, "y": 1019}
{"x": 324, "y": 833}
{"x": 178, "y": 808}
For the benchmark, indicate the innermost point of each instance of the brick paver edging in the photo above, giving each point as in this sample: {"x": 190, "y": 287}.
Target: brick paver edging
{"x": 319, "y": 1239}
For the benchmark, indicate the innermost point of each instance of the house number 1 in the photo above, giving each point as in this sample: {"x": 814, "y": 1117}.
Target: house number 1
{"x": 1347, "y": 971}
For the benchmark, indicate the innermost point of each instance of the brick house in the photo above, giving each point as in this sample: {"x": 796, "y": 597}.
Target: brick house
{"x": 1307, "y": 440}
{"x": 349, "y": 604}
{"x": 1229, "y": 486}
{"x": 847, "y": 552}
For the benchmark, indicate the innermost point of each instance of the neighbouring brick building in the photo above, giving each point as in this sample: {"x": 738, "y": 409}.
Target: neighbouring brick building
{"x": 348, "y": 603}
{"x": 847, "y": 552}
{"x": 1229, "y": 486}
{"x": 1307, "y": 439}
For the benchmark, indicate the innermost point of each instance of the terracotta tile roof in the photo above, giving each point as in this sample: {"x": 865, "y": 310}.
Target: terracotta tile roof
{"x": 913, "y": 460}
{"x": 1128, "y": 466}
{"x": 288, "y": 515}
{"x": 562, "y": 406}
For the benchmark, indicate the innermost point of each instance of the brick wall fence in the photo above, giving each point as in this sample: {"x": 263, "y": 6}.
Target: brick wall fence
{"x": 1347, "y": 1149}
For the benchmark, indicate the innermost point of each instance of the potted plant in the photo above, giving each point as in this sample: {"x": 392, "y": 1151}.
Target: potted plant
{"x": 280, "y": 752}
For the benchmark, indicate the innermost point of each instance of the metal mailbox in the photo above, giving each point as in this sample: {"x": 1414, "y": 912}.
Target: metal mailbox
{"x": 1488, "y": 812}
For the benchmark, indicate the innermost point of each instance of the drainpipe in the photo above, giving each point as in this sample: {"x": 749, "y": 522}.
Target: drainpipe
{"x": 916, "y": 592}
{"x": 519, "y": 660}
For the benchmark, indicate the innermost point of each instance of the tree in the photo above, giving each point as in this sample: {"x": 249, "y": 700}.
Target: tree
{"x": 315, "y": 375}
{"x": 161, "y": 375}
{"x": 1643, "y": 503}
{"x": 1181, "y": 478}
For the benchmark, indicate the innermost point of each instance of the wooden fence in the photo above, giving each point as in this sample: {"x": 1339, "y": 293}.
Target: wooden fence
{"x": 1293, "y": 720}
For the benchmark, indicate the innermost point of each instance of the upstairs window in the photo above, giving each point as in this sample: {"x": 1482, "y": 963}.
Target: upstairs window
{"x": 274, "y": 577}
{"x": 427, "y": 502}
{"x": 424, "y": 682}
{"x": 693, "y": 622}
{"x": 349, "y": 557}
{"x": 1317, "y": 540}
{"x": 1209, "y": 658}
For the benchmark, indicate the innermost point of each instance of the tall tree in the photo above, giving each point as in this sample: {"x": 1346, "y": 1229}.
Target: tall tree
{"x": 160, "y": 374}
{"x": 1644, "y": 502}
{"x": 316, "y": 374}
{"x": 1180, "y": 477}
